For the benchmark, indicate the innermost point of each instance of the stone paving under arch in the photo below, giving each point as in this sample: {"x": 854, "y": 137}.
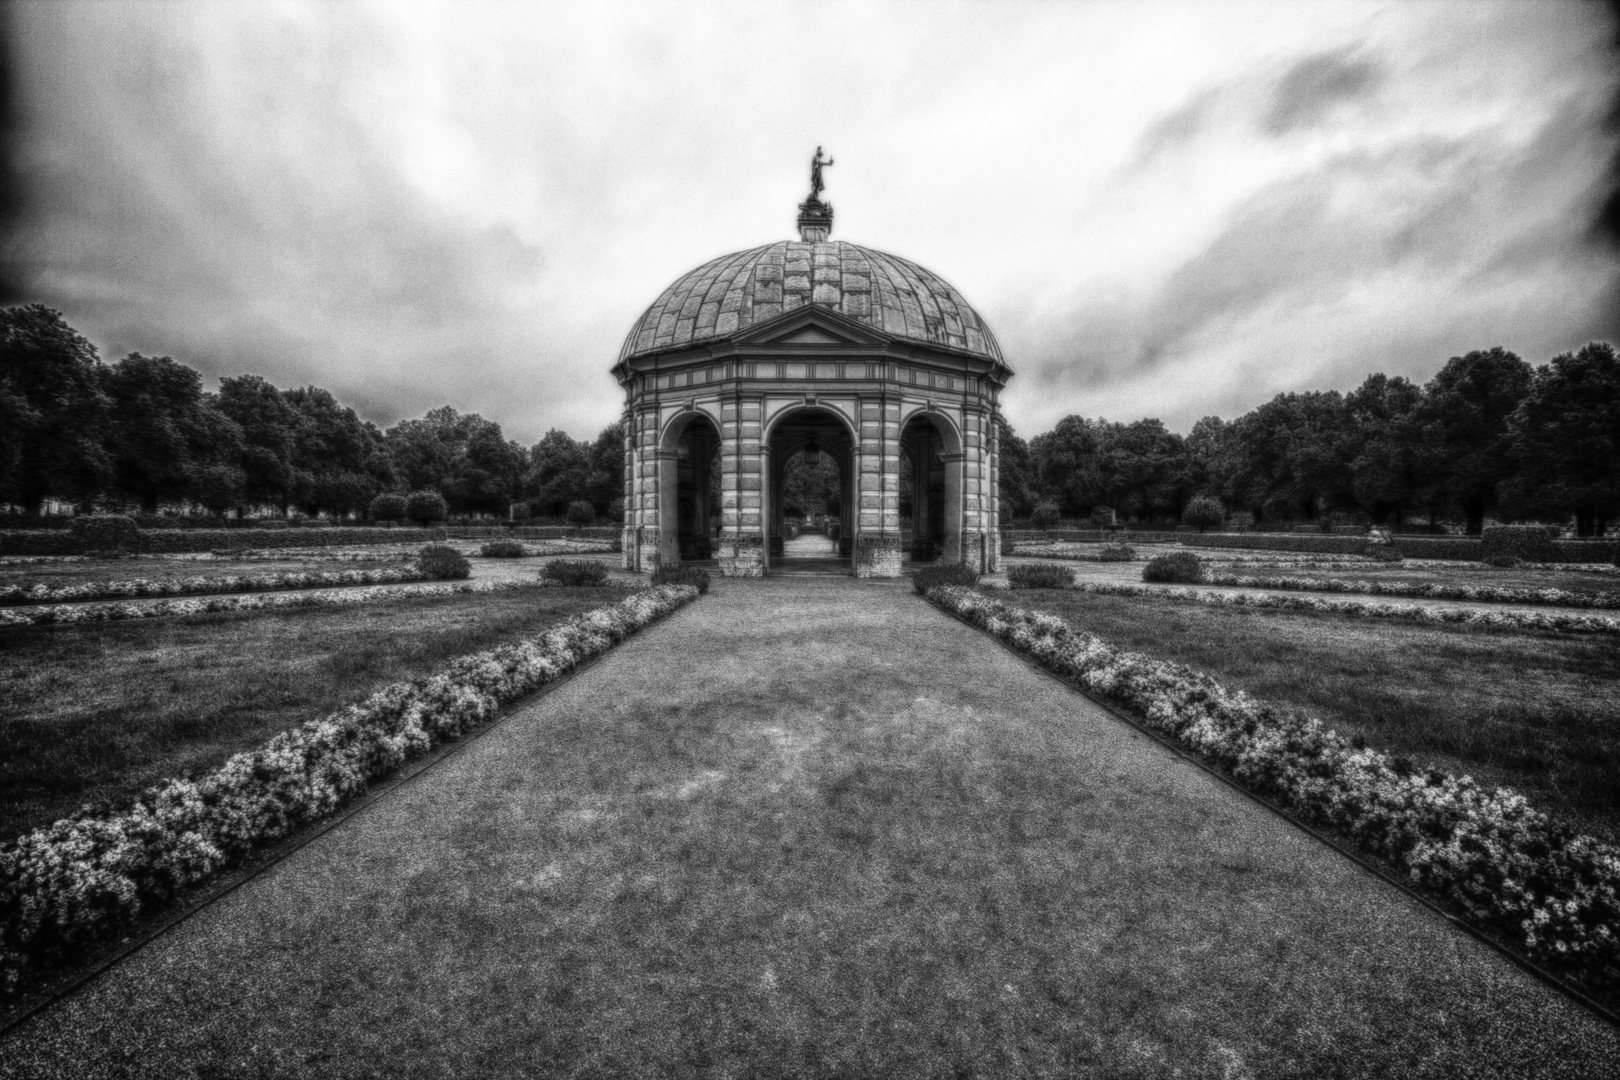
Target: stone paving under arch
{"x": 609, "y": 884}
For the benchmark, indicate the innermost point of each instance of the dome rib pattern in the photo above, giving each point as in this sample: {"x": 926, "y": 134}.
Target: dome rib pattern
{"x": 884, "y": 291}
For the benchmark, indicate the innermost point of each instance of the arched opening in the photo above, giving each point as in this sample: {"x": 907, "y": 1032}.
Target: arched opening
{"x": 688, "y": 490}
{"x": 931, "y": 489}
{"x": 811, "y": 477}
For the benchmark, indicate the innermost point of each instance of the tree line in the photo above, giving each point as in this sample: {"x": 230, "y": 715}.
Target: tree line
{"x": 1488, "y": 435}
{"x": 143, "y": 433}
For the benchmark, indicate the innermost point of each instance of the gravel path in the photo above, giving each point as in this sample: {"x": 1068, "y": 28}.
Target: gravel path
{"x": 609, "y": 884}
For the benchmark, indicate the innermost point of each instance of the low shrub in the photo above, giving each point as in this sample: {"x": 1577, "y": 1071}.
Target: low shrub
{"x": 442, "y": 562}
{"x": 1116, "y": 553}
{"x": 576, "y": 572}
{"x": 682, "y": 574}
{"x": 934, "y": 575}
{"x": 1039, "y": 576}
{"x": 581, "y": 512}
{"x": 1503, "y": 561}
{"x": 98, "y": 533}
{"x": 503, "y": 549}
{"x": 1526, "y": 543}
{"x": 1174, "y": 566}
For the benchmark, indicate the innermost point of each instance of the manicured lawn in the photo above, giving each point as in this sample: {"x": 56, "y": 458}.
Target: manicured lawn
{"x": 94, "y": 712}
{"x": 812, "y": 828}
{"x": 1534, "y": 711}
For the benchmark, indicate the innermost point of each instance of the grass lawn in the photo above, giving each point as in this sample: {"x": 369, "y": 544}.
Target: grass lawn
{"x": 1534, "y": 711}
{"x": 98, "y": 711}
{"x": 812, "y": 828}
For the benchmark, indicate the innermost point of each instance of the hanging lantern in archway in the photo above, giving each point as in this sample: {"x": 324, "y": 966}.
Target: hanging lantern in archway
{"x": 812, "y": 453}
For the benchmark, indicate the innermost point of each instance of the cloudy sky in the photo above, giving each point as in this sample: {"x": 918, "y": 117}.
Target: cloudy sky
{"x": 1162, "y": 209}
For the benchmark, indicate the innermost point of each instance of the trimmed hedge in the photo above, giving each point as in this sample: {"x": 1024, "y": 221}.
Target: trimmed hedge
{"x": 935, "y": 575}
{"x": 1519, "y": 543}
{"x": 105, "y": 532}
{"x": 1176, "y": 566}
{"x": 1040, "y": 576}
{"x": 503, "y": 549}
{"x": 682, "y": 574}
{"x": 443, "y": 563}
{"x": 575, "y": 572}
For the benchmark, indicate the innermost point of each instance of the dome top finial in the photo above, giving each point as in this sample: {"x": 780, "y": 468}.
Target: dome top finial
{"x": 815, "y": 216}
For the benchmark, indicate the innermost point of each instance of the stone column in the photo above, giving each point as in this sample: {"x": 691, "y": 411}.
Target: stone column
{"x": 669, "y": 525}
{"x": 952, "y": 539}
{"x": 628, "y": 556}
{"x": 877, "y": 545}
{"x": 646, "y": 489}
{"x": 741, "y": 511}
{"x": 994, "y": 527}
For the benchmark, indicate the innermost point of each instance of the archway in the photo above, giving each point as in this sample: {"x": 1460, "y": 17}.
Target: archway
{"x": 688, "y": 476}
{"x": 931, "y": 451}
{"x": 811, "y": 469}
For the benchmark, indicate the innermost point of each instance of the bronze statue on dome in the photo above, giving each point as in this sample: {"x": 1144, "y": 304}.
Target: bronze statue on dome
{"x": 815, "y": 175}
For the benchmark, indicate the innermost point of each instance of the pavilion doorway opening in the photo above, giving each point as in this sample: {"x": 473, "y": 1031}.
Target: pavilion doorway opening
{"x": 689, "y": 503}
{"x": 930, "y": 490}
{"x": 811, "y": 477}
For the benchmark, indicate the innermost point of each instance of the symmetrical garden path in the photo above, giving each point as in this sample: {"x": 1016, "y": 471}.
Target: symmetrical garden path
{"x": 813, "y": 827}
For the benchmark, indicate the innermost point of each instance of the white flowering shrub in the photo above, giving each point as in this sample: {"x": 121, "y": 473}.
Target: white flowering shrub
{"x": 1517, "y": 620}
{"x": 88, "y": 876}
{"x": 1554, "y": 892}
{"x": 1426, "y": 590}
{"x": 81, "y": 613}
{"x": 140, "y": 588}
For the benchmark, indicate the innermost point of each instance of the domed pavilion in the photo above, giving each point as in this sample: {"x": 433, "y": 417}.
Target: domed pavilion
{"x": 811, "y": 347}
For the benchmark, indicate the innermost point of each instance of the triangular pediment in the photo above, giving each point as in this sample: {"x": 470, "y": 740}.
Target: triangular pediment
{"x": 811, "y": 325}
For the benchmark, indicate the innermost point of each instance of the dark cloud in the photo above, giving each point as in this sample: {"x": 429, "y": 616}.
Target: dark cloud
{"x": 1177, "y": 128}
{"x": 1315, "y": 86}
{"x": 1606, "y": 225}
{"x": 12, "y": 288}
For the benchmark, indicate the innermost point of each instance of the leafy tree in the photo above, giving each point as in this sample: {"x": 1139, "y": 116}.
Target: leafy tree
{"x": 1017, "y": 473}
{"x": 607, "y": 467}
{"x": 162, "y": 432}
{"x": 1214, "y": 459}
{"x": 425, "y": 507}
{"x": 1204, "y": 512}
{"x": 559, "y": 473}
{"x": 339, "y": 460}
{"x": 1566, "y": 439}
{"x": 1464, "y": 418}
{"x": 463, "y": 456}
{"x": 1292, "y": 454}
{"x": 581, "y": 513}
{"x": 269, "y": 426}
{"x": 219, "y": 486}
{"x": 1045, "y": 515}
{"x": 1066, "y": 461}
{"x": 1383, "y": 445}
{"x": 52, "y": 410}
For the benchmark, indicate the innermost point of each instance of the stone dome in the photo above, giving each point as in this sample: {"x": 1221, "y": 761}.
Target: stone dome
{"x": 888, "y": 293}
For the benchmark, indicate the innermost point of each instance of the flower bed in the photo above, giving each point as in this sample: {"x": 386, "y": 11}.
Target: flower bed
{"x": 81, "y": 613}
{"x": 1556, "y": 894}
{"x": 1426, "y": 590}
{"x": 1518, "y": 620}
{"x": 138, "y": 588}
{"x": 86, "y": 877}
